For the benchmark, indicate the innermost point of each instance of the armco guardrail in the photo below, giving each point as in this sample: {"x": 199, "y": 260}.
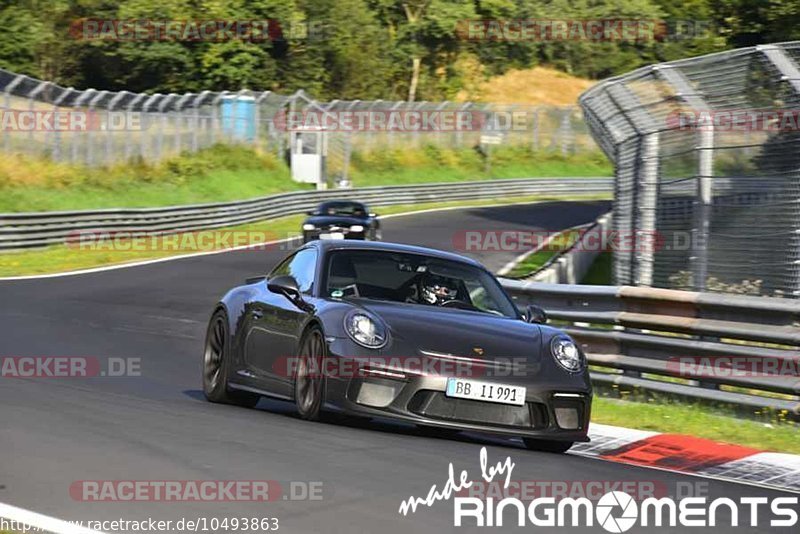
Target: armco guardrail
{"x": 24, "y": 230}
{"x": 729, "y": 349}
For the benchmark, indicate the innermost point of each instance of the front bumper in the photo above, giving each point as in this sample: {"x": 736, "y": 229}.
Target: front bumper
{"x": 557, "y": 404}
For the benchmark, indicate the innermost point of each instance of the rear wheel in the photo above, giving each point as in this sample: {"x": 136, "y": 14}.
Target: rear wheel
{"x": 309, "y": 383}
{"x": 216, "y": 365}
{"x": 546, "y": 445}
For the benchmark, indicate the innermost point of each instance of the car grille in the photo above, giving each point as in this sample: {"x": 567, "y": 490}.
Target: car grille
{"x": 436, "y": 405}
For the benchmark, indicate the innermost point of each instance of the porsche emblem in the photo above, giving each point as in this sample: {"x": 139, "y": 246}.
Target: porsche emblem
{"x": 478, "y": 351}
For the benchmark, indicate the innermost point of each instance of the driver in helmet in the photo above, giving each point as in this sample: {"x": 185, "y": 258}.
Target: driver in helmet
{"x": 438, "y": 290}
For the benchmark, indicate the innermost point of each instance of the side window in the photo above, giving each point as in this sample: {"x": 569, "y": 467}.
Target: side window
{"x": 282, "y": 268}
{"x": 303, "y": 267}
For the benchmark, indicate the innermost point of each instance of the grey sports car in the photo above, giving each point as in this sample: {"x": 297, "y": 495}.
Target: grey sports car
{"x": 394, "y": 331}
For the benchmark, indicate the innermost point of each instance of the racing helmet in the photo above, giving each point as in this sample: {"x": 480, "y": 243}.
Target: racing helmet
{"x": 438, "y": 290}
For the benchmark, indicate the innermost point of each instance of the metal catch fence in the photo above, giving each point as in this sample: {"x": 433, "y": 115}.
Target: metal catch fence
{"x": 707, "y": 158}
{"x": 109, "y": 127}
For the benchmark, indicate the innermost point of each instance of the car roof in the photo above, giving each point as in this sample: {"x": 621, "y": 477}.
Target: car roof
{"x": 336, "y": 203}
{"x": 325, "y": 246}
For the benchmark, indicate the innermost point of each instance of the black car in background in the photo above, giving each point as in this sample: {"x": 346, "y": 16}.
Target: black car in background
{"x": 341, "y": 219}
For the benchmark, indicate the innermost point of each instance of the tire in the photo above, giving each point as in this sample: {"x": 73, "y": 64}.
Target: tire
{"x": 545, "y": 445}
{"x": 216, "y": 365}
{"x": 377, "y": 235}
{"x": 309, "y": 387}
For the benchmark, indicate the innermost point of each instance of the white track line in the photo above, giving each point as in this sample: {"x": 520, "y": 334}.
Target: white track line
{"x": 27, "y": 519}
{"x": 233, "y": 249}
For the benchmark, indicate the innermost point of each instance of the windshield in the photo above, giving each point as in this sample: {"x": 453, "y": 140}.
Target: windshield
{"x": 414, "y": 279}
{"x": 342, "y": 208}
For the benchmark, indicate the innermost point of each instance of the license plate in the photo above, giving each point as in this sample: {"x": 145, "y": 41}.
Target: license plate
{"x": 485, "y": 391}
{"x": 332, "y": 235}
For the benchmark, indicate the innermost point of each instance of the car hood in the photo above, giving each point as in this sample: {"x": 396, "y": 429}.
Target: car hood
{"x": 457, "y": 332}
{"x": 328, "y": 220}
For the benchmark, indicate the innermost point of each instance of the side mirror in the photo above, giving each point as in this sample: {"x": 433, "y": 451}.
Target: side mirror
{"x": 310, "y": 212}
{"x": 535, "y": 314}
{"x": 373, "y": 215}
{"x": 287, "y": 286}
{"x": 284, "y": 285}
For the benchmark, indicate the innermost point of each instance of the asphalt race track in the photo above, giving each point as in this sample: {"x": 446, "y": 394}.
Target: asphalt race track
{"x": 54, "y": 432}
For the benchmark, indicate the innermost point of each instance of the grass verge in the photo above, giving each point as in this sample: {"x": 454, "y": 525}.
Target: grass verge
{"x": 217, "y": 174}
{"x": 434, "y": 164}
{"x": 533, "y": 262}
{"x": 224, "y": 172}
{"x": 599, "y": 273}
{"x": 62, "y": 258}
{"x": 772, "y": 434}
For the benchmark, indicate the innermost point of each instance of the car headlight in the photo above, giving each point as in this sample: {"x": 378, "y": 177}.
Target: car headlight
{"x": 357, "y": 228}
{"x": 308, "y": 226}
{"x": 365, "y": 330}
{"x": 566, "y": 353}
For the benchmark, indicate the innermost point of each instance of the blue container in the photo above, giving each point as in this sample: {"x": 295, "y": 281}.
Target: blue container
{"x": 238, "y": 114}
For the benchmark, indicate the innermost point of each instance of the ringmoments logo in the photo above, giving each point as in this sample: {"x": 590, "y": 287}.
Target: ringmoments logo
{"x": 615, "y": 511}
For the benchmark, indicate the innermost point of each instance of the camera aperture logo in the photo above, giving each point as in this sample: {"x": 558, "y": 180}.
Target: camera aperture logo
{"x": 611, "y": 501}
{"x": 615, "y": 511}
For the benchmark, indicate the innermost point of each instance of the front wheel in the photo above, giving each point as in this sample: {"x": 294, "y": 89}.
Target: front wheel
{"x": 216, "y": 365}
{"x": 546, "y": 445}
{"x": 309, "y": 383}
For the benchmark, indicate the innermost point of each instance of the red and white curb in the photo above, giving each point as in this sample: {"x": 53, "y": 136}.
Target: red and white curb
{"x": 694, "y": 456}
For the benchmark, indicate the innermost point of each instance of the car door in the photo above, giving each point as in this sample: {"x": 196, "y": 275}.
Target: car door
{"x": 275, "y": 322}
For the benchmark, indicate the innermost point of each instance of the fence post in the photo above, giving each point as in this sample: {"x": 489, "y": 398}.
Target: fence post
{"x": 215, "y": 120}
{"x": 142, "y": 121}
{"x": 146, "y": 109}
{"x": 7, "y": 105}
{"x": 84, "y": 97}
{"x": 648, "y": 193}
{"x": 263, "y": 96}
{"x": 565, "y": 131}
{"x": 705, "y": 171}
{"x": 164, "y": 116}
{"x": 180, "y": 106}
{"x": 705, "y": 200}
{"x": 197, "y": 101}
{"x": 112, "y": 105}
{"x": 459, "y": 134}
{"x": 89, "y": 130}
{"x": 57, "y": 134}
{"x": 392, "y": 133}
{"x": 32, "y": 96}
